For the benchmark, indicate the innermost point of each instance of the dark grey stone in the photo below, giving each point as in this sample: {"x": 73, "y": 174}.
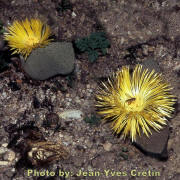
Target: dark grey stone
{"x": 156, "y": 144}
{"x": 56, "y": 58}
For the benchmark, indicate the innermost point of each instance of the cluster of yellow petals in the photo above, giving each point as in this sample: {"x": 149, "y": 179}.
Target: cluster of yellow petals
{"x": 135, "y": 102}
{"x": 24, "y": 36}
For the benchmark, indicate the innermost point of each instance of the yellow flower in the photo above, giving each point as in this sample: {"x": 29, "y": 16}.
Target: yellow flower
{"x": 24, "y": 36}
{"x": 135, "y": 101}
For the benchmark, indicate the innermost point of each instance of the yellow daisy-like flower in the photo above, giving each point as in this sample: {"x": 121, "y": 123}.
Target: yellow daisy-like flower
{"x": 135, "y": 101}
{"x": 24, "y": 36}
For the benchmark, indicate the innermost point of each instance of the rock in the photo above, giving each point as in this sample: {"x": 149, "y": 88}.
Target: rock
{"x": 107, "y": 146}
{"x": 5, "y": 145}
{"x": 68, "y": 138}
{"x": 170, "y": 144}
{"x": 4, "y": 163}
{"x": 3, "y": 150}
{"x": 56, "y": 58}
{"x": 9, "y": 156}
{"x": 156, "y": 144}
{"x": 71, "y": 114}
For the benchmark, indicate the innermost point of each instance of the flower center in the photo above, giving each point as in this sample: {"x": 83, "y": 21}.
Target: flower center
{"x": 134, "y": 104}
{"x": 32, "y": 41}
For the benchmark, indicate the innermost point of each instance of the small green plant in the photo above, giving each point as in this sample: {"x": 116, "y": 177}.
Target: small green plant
{"x": 123, "y": 154}
{"x": 124, "y": 149}
{"x": 92, "y": 120}
{"x": 96, "y": 44}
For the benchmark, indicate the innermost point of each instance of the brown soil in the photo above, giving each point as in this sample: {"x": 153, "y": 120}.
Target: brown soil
{"x": 137, "y": 30}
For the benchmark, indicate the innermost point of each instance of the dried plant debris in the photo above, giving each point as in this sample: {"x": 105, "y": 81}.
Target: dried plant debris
{"x": 36, "y": 103}
{"x": 34, "y": 150}
{"x": 14, "y": 86}
{"x": 43, "y": 153}
{"x": 46, "y": 103}
{"x": 135, "y": 54}
{"x": 59, "y": 86}
{"x": 52, "y": 121}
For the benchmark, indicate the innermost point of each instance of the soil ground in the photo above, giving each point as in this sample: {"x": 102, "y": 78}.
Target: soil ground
{"x": 137, "y": 30}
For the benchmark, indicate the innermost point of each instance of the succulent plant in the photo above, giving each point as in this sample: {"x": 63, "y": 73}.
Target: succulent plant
{"x": 24, "y": 36}
{"x": 135, "y": 102}
{"x": 95, "y": 44}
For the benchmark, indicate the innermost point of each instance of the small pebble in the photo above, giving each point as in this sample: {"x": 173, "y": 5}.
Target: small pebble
{"x": 4, "y": 163}
{"x": 73, "y": 14}
{"x": 170, "y": 144}
{"x": 5, "y": 145}
{"x": 107, "y": 146}
{"x": 9, "y": 156}
{"x": 71, "y": 114}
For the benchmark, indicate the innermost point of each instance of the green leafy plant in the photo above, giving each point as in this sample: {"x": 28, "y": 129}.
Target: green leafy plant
{"x": 123, "y": 154}
{"x": 96, "y": 44}
{"x": 92, "y": 120}
{"x": 124, "y": 149}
